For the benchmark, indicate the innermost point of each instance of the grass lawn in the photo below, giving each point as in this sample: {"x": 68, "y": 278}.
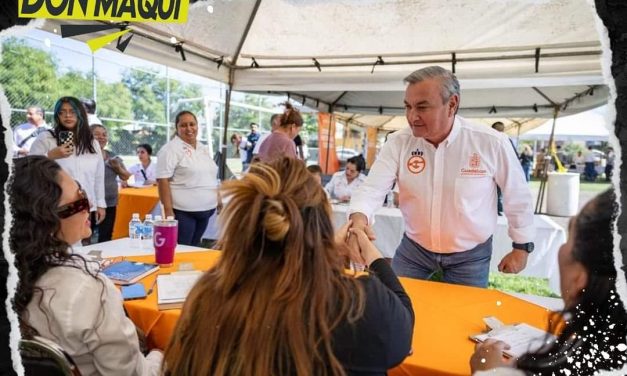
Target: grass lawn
{"x": 520, "y": 284}
{"x": 584, "y": 186}
{"x": 514, "y": 283}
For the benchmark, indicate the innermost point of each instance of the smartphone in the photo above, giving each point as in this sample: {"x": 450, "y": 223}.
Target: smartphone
{"x": 66, "y": 138}
{"x": 134, "y": 291}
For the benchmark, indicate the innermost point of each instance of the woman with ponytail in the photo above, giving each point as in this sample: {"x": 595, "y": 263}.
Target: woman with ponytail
{"x": 280, "y": 143}
{"x": 279, "y": 301}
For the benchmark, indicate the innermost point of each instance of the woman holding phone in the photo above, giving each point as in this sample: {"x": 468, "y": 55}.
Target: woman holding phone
{"x": 72, "y": 145}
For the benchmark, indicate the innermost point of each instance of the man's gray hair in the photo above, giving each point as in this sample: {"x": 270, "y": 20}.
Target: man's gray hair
{"x": 38, "y": 109}
{"x": 449, "y": 83}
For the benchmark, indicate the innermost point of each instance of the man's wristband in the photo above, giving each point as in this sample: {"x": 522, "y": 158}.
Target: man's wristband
{"x": 527, "y": 247}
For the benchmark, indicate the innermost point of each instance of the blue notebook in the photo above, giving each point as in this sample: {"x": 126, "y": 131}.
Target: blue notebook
{"x": 128, "y": 272}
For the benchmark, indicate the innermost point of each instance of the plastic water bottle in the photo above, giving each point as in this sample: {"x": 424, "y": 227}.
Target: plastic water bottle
{"x": 390, "y": 199}
{"x": 148, "y": 228}
{"x": 135, "y": 230}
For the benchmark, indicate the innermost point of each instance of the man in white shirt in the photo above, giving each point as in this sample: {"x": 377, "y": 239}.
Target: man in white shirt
{"x": 90, "y": 108}
{"x": 25, "y": 134}
{"x": 590, "y": 172}
{"x": 447, "y": 171}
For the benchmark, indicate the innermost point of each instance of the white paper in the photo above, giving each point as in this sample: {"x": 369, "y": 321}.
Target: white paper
{"x": 173, "y": 288}
{"x": 522, "y": 338}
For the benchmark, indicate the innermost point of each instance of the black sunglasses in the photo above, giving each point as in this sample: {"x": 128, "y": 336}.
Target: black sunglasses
{"x": 74, "y": 207}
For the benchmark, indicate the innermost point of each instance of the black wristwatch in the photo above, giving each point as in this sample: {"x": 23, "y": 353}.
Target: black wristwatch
{"x": 527, "y": 247}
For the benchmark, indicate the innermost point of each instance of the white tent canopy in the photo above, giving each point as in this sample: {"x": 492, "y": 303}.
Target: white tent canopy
{"x": 494, "y": 46}
{"x": 586, "y": 126}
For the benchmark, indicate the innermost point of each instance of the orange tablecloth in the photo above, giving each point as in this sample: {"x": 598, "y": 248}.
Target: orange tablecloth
{"x": 133, "y": 200}
{"x": 445, "y": 316}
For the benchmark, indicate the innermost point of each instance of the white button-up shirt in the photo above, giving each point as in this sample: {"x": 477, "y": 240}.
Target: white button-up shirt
{"x": 87, "y": 168}
{"x": 448, "y": 194}
{"x": 85, "y": 316}
{"x": 25, "y": 134}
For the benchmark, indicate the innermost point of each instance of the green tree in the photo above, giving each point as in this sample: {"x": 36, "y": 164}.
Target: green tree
{"x": 149, "y": 92}
{"x": 180, "y": 91}
{"x": 241, "y": 117}
{"x": 28, "y": 76}
{"x": 145, "y": 90}
{"x": 114, "y": 101}
{"x": 76, "y": 84}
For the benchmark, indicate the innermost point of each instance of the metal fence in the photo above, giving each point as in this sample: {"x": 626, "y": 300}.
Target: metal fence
{"x": 136, "y": 100}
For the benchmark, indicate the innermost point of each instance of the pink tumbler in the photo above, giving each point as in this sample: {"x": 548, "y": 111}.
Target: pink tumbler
{"x": 164, "y": 239}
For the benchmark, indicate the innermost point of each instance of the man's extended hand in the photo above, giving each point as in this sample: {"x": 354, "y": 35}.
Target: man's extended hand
{"x": 368, "y": 251}
{"x": 359, "y": 221}
{"x": 514, "y": 262}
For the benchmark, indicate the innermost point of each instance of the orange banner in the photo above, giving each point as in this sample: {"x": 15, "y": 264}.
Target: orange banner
{"x": 327, "y": 157}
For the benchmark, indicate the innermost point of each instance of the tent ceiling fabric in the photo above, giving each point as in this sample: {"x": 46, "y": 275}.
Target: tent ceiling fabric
{"x": 475, "y": 103}
{"x": 588, "y": 126}
{"x": 495, "y": 44}
{"x": 389, "y": 27}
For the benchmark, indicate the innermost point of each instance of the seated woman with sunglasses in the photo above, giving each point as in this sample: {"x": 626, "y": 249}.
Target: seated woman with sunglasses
{"x": 60, "y": 295}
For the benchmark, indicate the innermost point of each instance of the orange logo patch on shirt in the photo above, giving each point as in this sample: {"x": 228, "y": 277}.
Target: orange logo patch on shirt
{"x": 474, "y": 164}
{"x": 416, "y": 164}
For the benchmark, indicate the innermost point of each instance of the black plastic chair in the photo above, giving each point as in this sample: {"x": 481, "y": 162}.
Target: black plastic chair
{"x": 41, "y": 356}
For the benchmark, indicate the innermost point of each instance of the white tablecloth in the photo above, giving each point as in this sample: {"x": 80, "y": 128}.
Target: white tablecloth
{"x": 122, "y": 247}
{"x": 542, "y": 262}
{"x": 388, "y": 226}
{"x": 212, "y": 230}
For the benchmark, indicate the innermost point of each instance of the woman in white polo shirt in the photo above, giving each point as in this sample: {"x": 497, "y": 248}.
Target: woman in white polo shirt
{"x": 187, "y": 180}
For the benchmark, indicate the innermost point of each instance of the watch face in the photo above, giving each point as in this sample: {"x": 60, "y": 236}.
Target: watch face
{"x": 524, "y": 246}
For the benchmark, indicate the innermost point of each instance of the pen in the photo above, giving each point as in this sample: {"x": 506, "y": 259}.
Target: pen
{"x": 151, "y": 287}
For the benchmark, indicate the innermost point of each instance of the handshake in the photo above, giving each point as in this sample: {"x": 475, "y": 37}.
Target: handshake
{"x": 355, "y": 241}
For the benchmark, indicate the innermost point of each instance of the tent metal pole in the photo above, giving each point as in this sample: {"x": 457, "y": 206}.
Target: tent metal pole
{"x": 251, "y": 18}
{"x": 426, "y": 61}
{"x": 227, "y": 108}
{"x": 544, "y": 177}
{"x": 331, "y": 117}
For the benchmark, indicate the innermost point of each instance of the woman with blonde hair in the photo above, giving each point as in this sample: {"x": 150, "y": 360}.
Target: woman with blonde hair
{"x": 279, "y": 302}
